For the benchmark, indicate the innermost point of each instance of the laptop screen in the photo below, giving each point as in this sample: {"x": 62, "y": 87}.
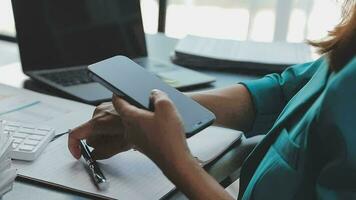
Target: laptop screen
{"x": 54, "y": 34}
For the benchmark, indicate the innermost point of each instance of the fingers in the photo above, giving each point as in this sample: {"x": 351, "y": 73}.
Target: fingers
{"x": 75, "y": 136}
{"x": 104, "y": 108}
{"x": 126, "y": 110}
{"x": 162, "y": 104}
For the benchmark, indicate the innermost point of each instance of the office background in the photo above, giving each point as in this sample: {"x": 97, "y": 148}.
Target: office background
{"x": 268, "y": 20}
{"x": 227, "y": 19}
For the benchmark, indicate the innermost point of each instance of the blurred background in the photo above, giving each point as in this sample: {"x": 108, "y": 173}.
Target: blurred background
{"x": 257, "y": 20}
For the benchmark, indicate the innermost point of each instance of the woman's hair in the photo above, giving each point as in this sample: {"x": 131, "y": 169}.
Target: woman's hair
{"x": 340, "y": 44}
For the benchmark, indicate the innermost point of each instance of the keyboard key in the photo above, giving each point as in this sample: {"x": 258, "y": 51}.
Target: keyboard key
{"x": 12, "y": 124}
{"x": 27, "y": 148}
{"x": 10, "y": 128}
{"x": 44, "y": 129}
{"x": 29, "y": 127}
{"x": 15, "y": 145}
{"x": 31, "y": 142}
{"x": 19, "y": 135}
{"x": 25, "y": 131}
{"x": 36, "y": 137}
{"x": 17, "y": 140}
{"x": 40, "y": 132}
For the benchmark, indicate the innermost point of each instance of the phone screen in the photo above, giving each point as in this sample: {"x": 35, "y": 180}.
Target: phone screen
{"x": 127, "y": 79}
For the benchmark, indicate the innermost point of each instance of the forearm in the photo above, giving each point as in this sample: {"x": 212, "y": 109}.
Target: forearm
{"x": 193, "y": 181}
{"x": 232, "y": 106}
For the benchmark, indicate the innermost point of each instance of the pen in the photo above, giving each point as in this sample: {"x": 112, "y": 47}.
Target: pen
{"x": 59, "y": 135}
{"x": 95, "y": 171}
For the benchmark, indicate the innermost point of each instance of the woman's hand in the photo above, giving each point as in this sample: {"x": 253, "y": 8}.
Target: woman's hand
{"x": 119, "y": 126}
{"x": 104, "y": 132}
{"x": 159, "y": 134}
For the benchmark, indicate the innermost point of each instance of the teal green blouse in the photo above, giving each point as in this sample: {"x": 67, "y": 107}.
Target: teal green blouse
{"x": 309, "y": 152}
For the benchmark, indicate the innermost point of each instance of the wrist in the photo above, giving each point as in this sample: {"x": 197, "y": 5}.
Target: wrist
{"x": 178, "y": 170}
{"x": 178, "y": 164}
{"x": 186, "y": 163}
{"x": 172, "y": 167}
{"x": 192, "y": 180}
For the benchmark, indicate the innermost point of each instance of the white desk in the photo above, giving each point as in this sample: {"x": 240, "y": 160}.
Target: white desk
{"x": 159, "y": 47}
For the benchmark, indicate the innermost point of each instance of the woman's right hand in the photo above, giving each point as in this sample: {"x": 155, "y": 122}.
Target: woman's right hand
{"x": 104, "y": 132}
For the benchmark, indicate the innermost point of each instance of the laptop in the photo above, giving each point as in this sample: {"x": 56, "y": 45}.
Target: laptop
{"x": 59, "y": 39}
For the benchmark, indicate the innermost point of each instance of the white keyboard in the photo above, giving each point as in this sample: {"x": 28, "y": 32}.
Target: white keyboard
{"x": 29, "y": 140}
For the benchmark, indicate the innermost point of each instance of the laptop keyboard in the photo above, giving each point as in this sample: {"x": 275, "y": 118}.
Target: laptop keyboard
{"x": 68, "y": 78}
{"x": 80, "y": 76}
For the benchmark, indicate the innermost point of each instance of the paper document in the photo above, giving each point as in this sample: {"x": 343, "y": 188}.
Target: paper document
{"x": 31, "y": 107}
{"x": 131, "y": 175}
{"x": 245, "y": 51}
{"x": 7, "y": 172}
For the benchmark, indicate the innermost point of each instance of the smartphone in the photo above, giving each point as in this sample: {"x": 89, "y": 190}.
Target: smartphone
{"x": 133, "y": 83}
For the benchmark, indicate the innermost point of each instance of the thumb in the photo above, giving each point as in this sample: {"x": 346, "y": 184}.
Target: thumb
{"x": 126, "y": 110}
{"x": 162, "y": 103}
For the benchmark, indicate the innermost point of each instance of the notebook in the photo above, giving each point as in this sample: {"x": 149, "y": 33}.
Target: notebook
{"x": 200, "y": 52}
{"x": 131, "y": 175}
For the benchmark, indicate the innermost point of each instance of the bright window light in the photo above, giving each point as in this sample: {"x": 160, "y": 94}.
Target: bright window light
{"x": 149, "y": 9}
{"x": 226, "y": 19}
{"x": 7, "y": 26}
{"x": 324, "y": 16}
{"x": 296, "y": 31}
{"x": 263, "y": 26}
{"x": 207, "y": 21}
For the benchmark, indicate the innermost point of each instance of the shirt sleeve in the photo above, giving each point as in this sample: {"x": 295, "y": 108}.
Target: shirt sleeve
{"x": 271, "y": 93}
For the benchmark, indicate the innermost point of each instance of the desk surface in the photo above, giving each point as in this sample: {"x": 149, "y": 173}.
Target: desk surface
{"x": 159, "y": 47}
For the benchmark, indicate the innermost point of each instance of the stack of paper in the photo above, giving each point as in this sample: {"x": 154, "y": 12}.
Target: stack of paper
{"x": 200, "y": 52}
{"x": 7, "y": 173}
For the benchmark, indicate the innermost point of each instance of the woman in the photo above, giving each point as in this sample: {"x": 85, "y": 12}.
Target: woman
{"x": 308, "y": 113}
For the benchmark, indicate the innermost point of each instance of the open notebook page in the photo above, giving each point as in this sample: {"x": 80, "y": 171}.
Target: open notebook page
{"x": 131, "y": 174}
